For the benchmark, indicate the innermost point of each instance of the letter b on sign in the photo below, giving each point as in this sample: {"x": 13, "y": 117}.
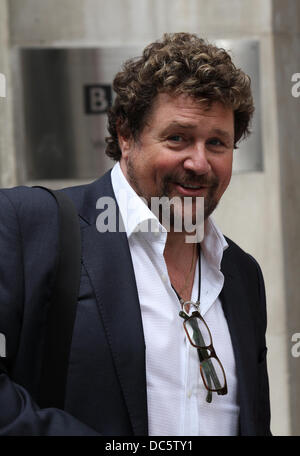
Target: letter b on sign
{"x": 97, "y": 98}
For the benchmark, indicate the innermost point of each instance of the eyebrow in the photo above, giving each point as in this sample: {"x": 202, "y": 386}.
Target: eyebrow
{"x": 219, "y": 132}
{"x": 215, "y": 131}
{"x": 175, "y": 124}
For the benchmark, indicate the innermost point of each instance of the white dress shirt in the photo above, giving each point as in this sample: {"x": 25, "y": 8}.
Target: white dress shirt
{"x": 176, "y": 395}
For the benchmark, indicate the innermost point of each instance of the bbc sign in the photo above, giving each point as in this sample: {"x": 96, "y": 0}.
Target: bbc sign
{"x": 98, "y": 98}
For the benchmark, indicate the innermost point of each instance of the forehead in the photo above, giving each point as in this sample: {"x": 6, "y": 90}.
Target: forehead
{"x": 186, "y": 111}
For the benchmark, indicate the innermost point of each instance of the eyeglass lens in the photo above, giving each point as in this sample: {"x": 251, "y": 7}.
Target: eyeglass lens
{"x": 211, "y": 369}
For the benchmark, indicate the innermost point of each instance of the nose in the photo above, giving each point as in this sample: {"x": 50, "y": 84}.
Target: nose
{"x": 197, "y": 160}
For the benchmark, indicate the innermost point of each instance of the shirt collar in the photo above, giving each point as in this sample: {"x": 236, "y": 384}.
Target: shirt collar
{"x": 214, "y": 243}
{"x": 135, "y": 213}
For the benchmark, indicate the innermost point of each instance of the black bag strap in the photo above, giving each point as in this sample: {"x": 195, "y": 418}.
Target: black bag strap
{"x": 62, "y": 308}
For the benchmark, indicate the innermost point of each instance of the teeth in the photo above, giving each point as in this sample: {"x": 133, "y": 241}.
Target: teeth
{"x": 192, "y": 187}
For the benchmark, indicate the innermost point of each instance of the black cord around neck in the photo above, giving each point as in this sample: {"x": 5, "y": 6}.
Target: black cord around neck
{"x": 199, "y": 268}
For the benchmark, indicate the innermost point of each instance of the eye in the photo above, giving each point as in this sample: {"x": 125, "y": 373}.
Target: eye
{"x": 175, "y": 138}
{"x": 215, "y": 142}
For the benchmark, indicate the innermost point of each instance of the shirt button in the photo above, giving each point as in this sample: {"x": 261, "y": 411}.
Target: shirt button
{"x": 164, "y": 278}
{"x": 189, "y": 394}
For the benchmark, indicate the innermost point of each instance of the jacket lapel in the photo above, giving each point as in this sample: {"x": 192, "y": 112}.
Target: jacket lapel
{"x": 236, "y": 305}
{"x": 107, "y": 259}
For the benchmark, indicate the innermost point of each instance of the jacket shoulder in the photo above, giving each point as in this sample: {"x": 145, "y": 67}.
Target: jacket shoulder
{"x": 239, "y": 255}
{"x": 245, "y": 266}
{"x": 27, "y": 202}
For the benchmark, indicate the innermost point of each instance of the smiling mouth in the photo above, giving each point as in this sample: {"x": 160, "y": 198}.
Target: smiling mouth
{"x": 190, "y": 189}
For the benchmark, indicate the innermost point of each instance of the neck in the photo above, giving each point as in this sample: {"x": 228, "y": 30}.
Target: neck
{"x": 181, "y": 260}
{"x": 176, "y": 241}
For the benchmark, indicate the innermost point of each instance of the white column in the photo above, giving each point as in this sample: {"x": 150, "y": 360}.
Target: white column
{"x": 7, "y": 150}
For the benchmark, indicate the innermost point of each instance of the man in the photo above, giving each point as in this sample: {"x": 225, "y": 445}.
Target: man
{"x": 169, "y": 337}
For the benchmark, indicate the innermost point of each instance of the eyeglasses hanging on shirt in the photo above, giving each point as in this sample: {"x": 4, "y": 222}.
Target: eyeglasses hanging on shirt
{"x": 199, "y": 336}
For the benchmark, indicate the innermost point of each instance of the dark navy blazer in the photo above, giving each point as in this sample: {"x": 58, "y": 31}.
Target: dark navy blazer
{"x": 106, "y": 388}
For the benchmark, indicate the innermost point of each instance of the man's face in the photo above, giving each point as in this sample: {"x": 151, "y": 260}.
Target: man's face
{"x": 185, "y": 149}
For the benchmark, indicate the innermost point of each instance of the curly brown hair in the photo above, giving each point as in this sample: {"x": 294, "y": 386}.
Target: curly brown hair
{"x": 181, "y": 63}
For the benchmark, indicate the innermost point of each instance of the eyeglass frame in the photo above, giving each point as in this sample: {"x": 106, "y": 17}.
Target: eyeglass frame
{"x": 196, "y": 314}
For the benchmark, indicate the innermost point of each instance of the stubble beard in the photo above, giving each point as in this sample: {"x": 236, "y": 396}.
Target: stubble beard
{"x": 210, "y": 201}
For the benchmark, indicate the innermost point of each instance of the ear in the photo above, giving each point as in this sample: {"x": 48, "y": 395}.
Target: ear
{"x": 124, "y": 138}
{"x": 125, "y": 144}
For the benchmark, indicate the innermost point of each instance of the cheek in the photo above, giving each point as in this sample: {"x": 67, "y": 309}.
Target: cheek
{"x": 168, "y": 163}
{"x": 227, "y": 175}
{"x": 223, "y": 172}
{"x": 159, "y": 168}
